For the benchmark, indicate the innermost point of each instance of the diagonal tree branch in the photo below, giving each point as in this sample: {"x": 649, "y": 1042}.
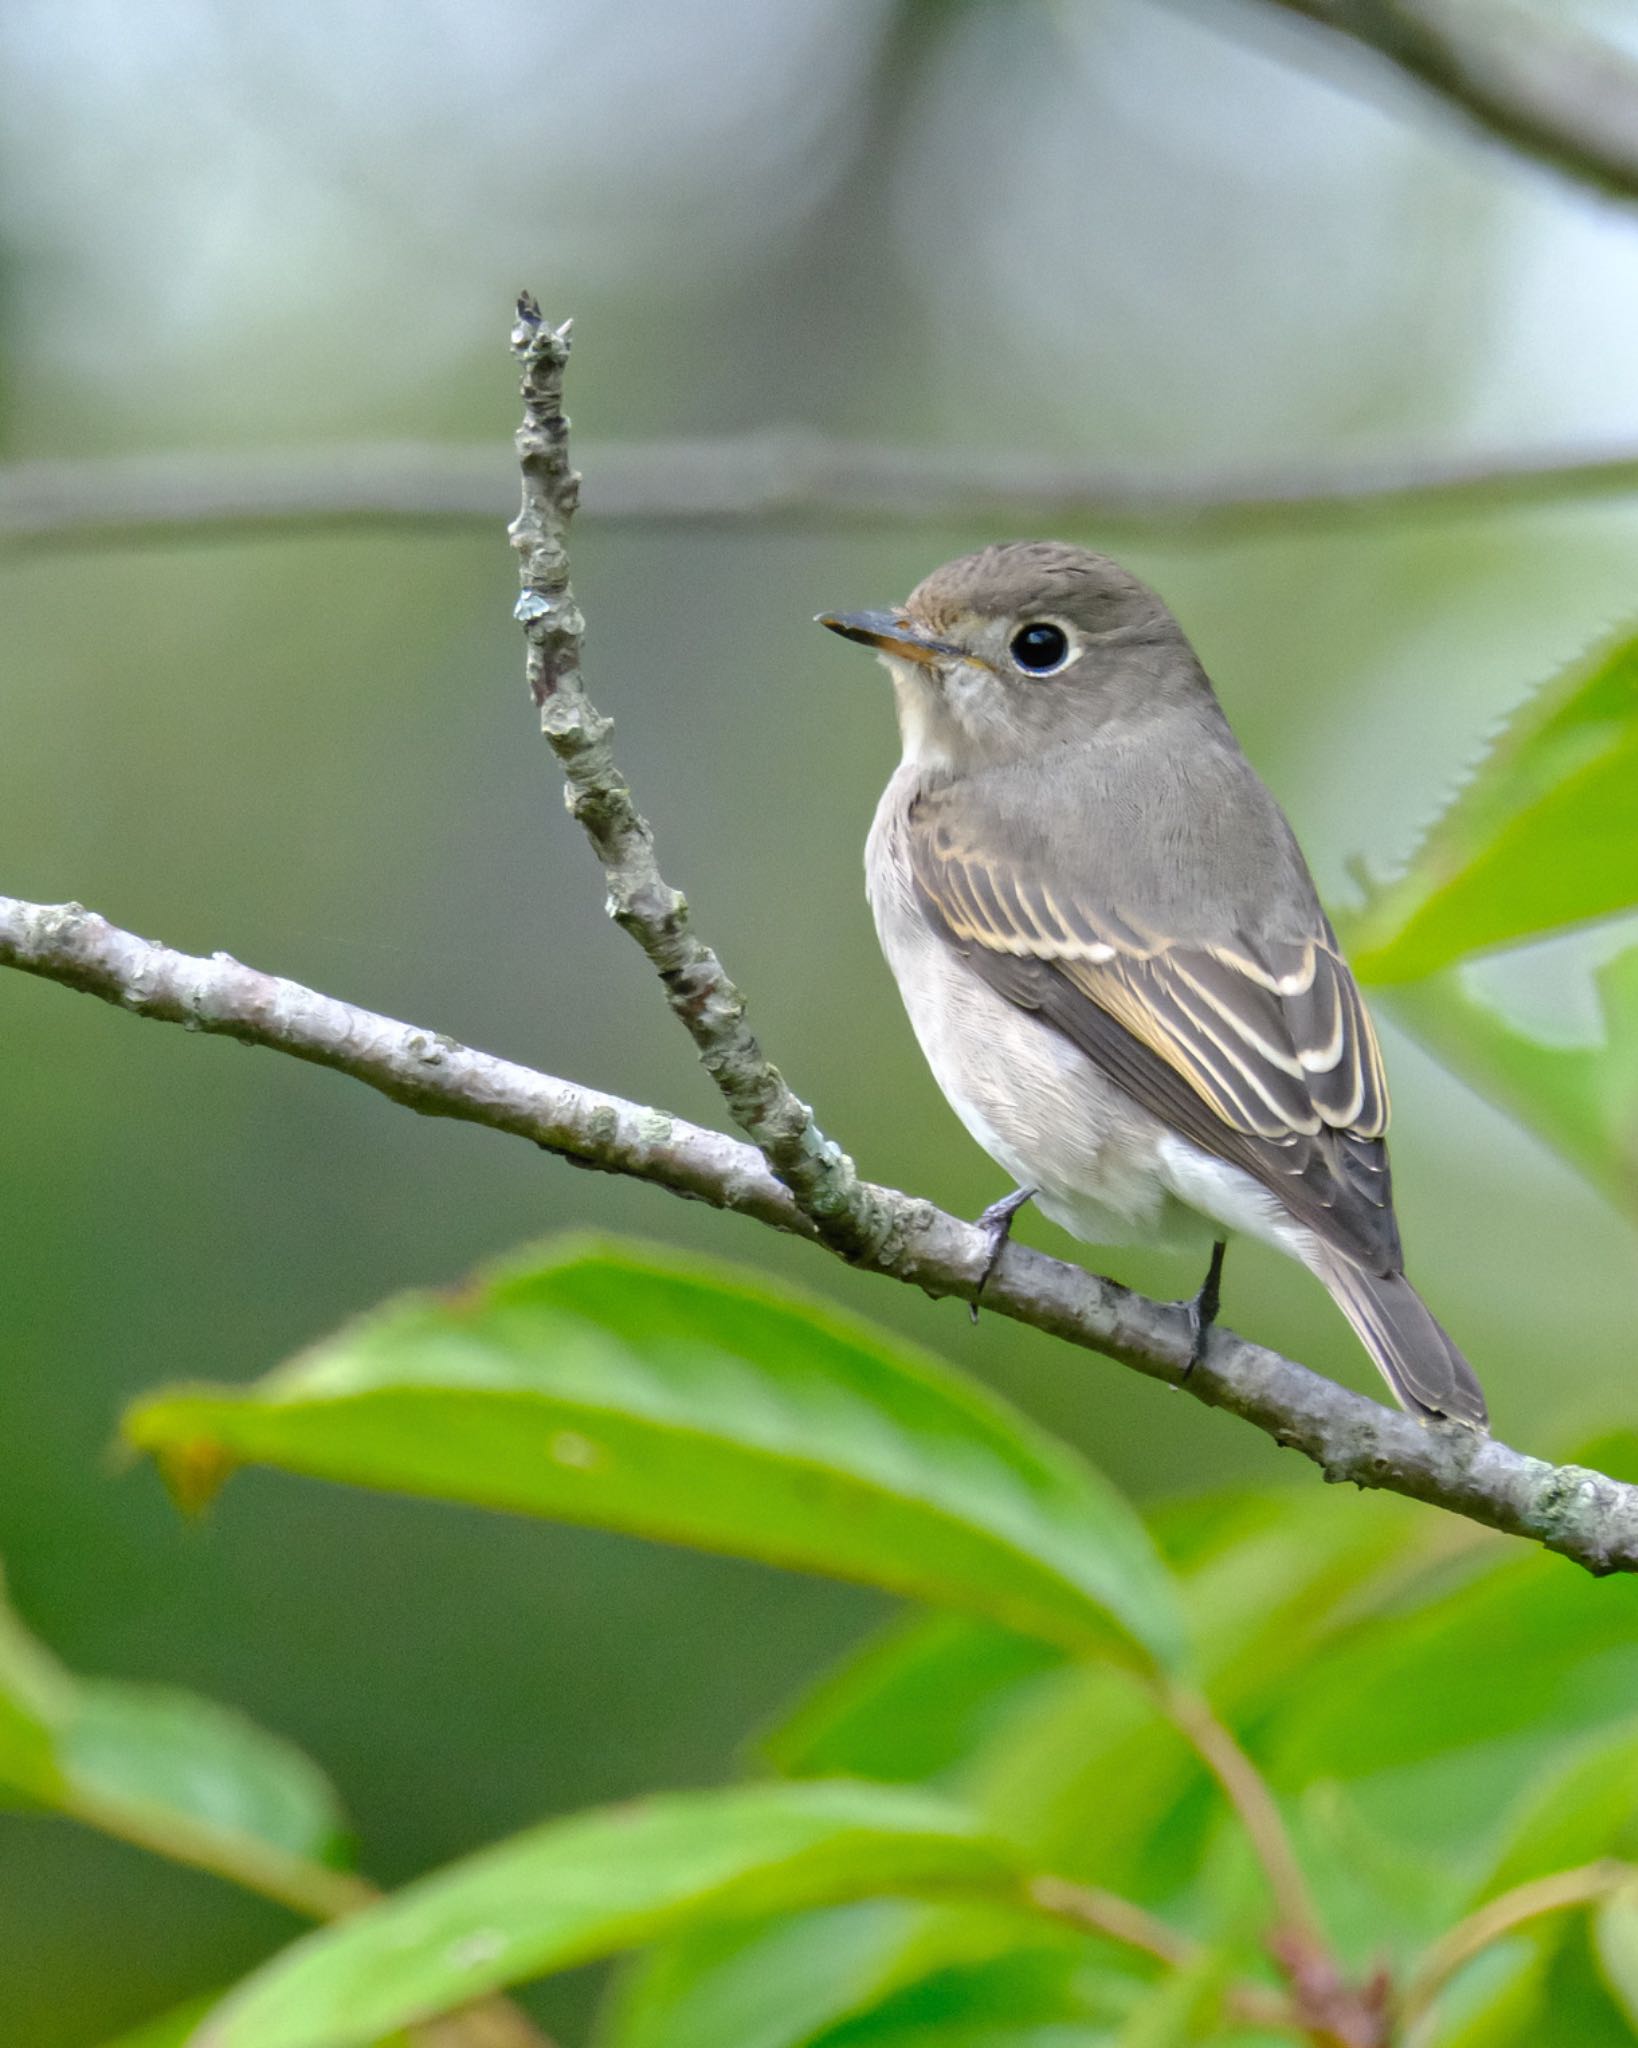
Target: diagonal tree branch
{"x": 1577, "y": 1512}
{"x": 1567, "y": 100}
{"x": 775, "y": 477}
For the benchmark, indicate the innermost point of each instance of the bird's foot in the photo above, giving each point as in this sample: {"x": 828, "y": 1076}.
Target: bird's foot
{"x": 1203, "y": 1309}
{"x": 996, "y": 1224}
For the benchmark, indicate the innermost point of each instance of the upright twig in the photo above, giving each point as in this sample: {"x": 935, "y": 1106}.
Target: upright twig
{"x": 1248, "y": 1793}
{"x": 1328, "y": 2007}
{"x": 820, "y": 1176}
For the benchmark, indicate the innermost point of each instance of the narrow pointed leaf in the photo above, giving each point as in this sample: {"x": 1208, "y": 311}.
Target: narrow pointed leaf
{"x": 1543, "y": 835}
{"x": 579, "y": 1889}
{"x": 699, "y": 1405}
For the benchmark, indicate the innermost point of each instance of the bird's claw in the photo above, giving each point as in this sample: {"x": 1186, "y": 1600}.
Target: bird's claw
{"x": 1203, "y": 1308}
{"x": 996, "y": 1224}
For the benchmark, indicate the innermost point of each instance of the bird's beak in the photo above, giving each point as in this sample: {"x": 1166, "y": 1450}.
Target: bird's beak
{"x": 889, "y": 633}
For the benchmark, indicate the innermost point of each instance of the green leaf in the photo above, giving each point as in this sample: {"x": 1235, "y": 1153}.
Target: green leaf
{"x": 1379, "y": 1895}
{"x": 1583, "y": 1100}
{"x": 173, "y": 2029}
{"x": 761, "y": 1983}
{"x": 912, "y": 1703}
{"x": 1615, "y": 1943}
{"x": 1585, "y": 2007}
{"x": 1489, "y": 1674}
{"x": 36, "y": 1697}
{"x": 628, "y": 1390}
{"x": 1027, "y": 1999}
{"x": 1183, "y": 2010}
{"x": 1068, "y": 1760}
{"x": 904, "y": 2029}
{"x": 579, "y": 1889}
{"x": 1500, "y": 2000}
{"x": 1096, "y": 1785}
{"x": 1582, "y": 1806}
{"x": 180, "y": 1775}
{"x": 178, "y": 2027}
{"x": 185, "y": 1755}
{"x": 1544, "y": 834}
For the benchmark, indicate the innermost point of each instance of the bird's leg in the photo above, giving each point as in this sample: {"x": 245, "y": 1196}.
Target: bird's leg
{"x": 1203, "y": 1309}
{"x": 996, "y": 1224}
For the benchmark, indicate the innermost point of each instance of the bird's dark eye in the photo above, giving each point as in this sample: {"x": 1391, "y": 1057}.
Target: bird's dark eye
{"x": 1039, "y": 649}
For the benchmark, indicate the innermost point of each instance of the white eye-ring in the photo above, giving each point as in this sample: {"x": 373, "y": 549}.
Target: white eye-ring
{"x": 1040, "y": 647}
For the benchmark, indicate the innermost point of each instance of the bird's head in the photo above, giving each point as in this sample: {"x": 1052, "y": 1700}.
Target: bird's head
{"x": 1004, "y": 654}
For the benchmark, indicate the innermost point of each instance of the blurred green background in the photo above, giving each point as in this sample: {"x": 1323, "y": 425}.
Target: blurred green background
{"x": 1164, "y": 236}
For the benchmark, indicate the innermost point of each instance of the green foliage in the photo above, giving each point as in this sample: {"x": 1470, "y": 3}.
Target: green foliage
{"x": 1542, "y": 838}
{"x": 172, "y": 2030}
{"x": 164, "y": 1768}
{"x": 1544, "y": 835}
{"x": 574, "y": 1890}
{"x": 1617, "y": 1948}
{"x": 997, "y": 1824}
{"x": 1581, "y": 1099}
{"x": 631, "y": 1391}
{"x": 902, "y": 1878}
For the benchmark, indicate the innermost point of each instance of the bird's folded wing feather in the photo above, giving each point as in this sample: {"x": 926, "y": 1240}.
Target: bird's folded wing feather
{"x": 1260, "y": 1052}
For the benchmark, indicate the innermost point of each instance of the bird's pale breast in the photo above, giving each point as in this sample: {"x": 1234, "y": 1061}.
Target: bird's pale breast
{"x": 1102, "y": 1166}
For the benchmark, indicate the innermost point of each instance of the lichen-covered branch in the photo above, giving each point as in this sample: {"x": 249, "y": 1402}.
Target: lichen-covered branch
{"x": 422, "y": 1069}
{"x": 845, "y": 1213}
{"x": 1534, "y": 83}
{"x": 1579, "y": 1513}
{"x": 773, "y": 478}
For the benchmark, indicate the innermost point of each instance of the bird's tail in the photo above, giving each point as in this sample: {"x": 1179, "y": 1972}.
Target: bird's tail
{"x": 1425, "y": 1370}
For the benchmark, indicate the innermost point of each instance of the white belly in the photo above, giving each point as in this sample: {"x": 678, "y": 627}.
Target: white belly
{"x": 1100, "y": 1164}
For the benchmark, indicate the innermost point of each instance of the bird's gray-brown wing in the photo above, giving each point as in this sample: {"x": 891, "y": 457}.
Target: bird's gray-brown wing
{"x": 1261, "y": 1052}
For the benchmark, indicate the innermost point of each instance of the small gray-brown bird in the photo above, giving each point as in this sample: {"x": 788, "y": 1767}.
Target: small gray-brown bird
{"x": 1111, "y": 948}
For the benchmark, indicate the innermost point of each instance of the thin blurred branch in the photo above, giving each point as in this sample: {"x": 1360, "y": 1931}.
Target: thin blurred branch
{"x": 1097, "y": 1911}
{"x": 1577, "y": 1512}
{"x": 1247, "y": 1791}
{"x": 1565, "y": 99}
{"x": 1587, "y": 1885}
{"x": 785, "y": 478}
